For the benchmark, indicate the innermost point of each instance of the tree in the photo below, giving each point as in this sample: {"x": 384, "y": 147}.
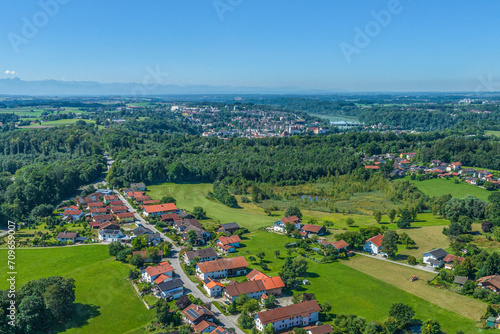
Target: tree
{"x": 293, "y": 211}
{"x": 412, "y": 260}
{"x": 402, "y": 313}
{"x": 123, "y": 254}
{"x": 299, "y": 330}
{"x": 431, "y": 327}
{"x": 270, "y": 302}
{"x": 405, "y": 220}
{"x": 296, "y": 298}
{"x": 289, "y": 227}
{"x": 115, "y": 247}
{"x": 392, "y": 215}
{"x": 199, "y": 213}
{"x": 350, "y": 221}
{"x": 163, "y": 312}
{"x": 378, "y": 216}
{"x": 261, "y": 255}
{"x": 466, "y": 268}
{"x": 390, "y": 243}
{"x": 168, "y": 199}
{"x": 32, "y": 315}
{"x": 269, "y": 329}
{"x": 192, "y": 237}
{"x": 486, "y": 226}
{"x": 59, "y": 298}
{"x": 326, "y": 307}
{"x": 374, "y": 327}
{"x": 140, "y": 242}
{"x": 252, "y": 258}
{"x": 245, "y": 321}
{"x": 183, "y": 302}
{"x": 349, "y": 324}
{"x": 137, "y": 260}
{"x": 277, "y": 253}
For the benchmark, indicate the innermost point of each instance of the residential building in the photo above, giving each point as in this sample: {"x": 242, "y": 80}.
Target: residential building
{"x": 311, "y": 230}
{"x": 254, "y": 288}
{"x": 213, "y": 288}
{"x": 74, "y": 214}
{"x": 323, "y": 329}
{"x": 229, "y": 228}
{"x": 125, "y": 217}
{"x": 228, "y": 244}
{"x": 171, "y": 288}
{"x": 67, "y": 237}
{"x": 110, "y": 235}
{"x": 202, "y": 254}
{"x": 159, "y": 209}
{"x": 450, "y": 260}
{"x": 435, "y": 257}
{"x": 151, "y": 273}
{"x": 279, "y": 226}
{"x": 140, "y": 186}
{"x": 205, "y": 327}
{"x": 194, "y": 314}
{"x": 491, "y": 282}
{"x": 373, "y": 245}
{"x": 222, "y": 268}
{"x": 282, "y": 318}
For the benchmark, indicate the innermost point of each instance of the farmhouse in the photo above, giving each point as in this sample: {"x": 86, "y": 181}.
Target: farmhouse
{"x": 118, "y": 209}
{"x": 491, "y": 282}
{"x": 221, "y": 268}
{"x": 373, "y": 245}
{"x": 74, "y": 214}
{"x": 313, "y": 229}
{"x": 171, "y": 288}
{"x": 98, "y": 211}
{"x": 229, "y": 228}
{"x": 102, "y": 218}
{"x": 151, "y": 273}
{"x": 228, "y": 244}
{"x": 323, "y": 329}
{"x": 435, "y": 257}
{"x": 159, "y": 209}
{"x": 450, "y": 260}
{"x": 202, "y": 254}
{"x": 205, "y": 327}
{"x": 194, "y": 314}
{"x": 66, "y": 236}
{"x": 94, "y": 205}
{"x": 254, "y": 288}
{"x": 125, "y": 217}
{"x": 296, "y": 315}
{"x": 279, "y": 226}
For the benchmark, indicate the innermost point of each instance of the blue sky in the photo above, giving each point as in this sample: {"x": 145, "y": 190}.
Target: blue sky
{"x": 427, "y": 45}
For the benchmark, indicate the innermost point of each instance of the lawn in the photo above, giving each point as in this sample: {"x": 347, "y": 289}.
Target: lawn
{"x": 101, "y": 285}
{"x": 352, "y": 291}
{"x": 190, "y": 195}
{"x": 493, "y": 133}
{"x": 439, "y": 187}
{"x": 65, "y": 122}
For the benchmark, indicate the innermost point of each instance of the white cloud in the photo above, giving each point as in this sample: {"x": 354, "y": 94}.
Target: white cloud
{"x": 10, "y": 72}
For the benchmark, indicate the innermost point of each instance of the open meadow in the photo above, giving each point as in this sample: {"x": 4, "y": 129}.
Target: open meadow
{"x": 106, "y": 301}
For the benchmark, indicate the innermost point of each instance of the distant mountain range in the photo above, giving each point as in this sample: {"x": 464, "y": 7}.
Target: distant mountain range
{"x": 16, "y": 86}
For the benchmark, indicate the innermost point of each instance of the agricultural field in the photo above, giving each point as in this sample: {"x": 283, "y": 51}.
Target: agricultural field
{"x": 65, "y": 122}
{"x": 493, "y": 133}
{"x": 105, "y": 299}
{"x": 439, "y": 187}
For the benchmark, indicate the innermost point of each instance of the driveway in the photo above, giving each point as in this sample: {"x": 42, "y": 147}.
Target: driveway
{"x": 176, "y": 264}
{"x": 381, "y": 258}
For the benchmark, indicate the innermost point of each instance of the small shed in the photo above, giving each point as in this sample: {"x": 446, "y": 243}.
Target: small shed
{"x": 460, "y": 280}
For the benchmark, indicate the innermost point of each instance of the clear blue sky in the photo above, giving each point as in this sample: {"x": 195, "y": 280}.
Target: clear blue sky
{"x": 427, "y": 45}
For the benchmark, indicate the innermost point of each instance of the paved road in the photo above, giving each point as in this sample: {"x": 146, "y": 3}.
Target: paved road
{"x": 176, "y": 264}
{"x": 381, "y": 258}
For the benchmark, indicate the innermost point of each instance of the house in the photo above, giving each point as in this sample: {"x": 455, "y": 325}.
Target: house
{"x": 102, "y": 218}
{"x": 279, "y": 226}
{"x": 228, "y": 244}
{"x": 109, "y": 226}
{"x": 313, "y": 229}
{"x": 373, "y": 245}
{"x": 282, "y": 318}
{"x": 194, "y": 314}
{"x": 119, "y": 209}
{"x": 411, "y": 155}
{"x": 213, "y": 288}
{"x": 162, "y": 278}
{"x": 142, "y": 199}
{"x": 98, "y": 211}
{"x": 205, "y": 327}
{"x": 109, "y": 198}
{"x": 135, "y": 194}
{"x": 154, "y": 239}
{"x": 170, "y": 217}
{"x": 182, "y": 225}
{"x": 460, "y": 280}
{"x": 449, "y": 260}
{"x": 94, "y": 205}
{"x": 202, "y": 254}
{"x": 116, "y": 203}
{"x": 222, "y": 268}
{"x": 140, "y": 186}
{"x": 467, "y": 172}
{"x": 220, "y": 330}
{"x": 201, "y": 236}
{"x": 483, "y": 173}
{"x": 74, "y": 214}
{"x": 340, "y": 245}
{"x": 125, "y": 217}
{"x": 171, "y": 288}
{"x": 67, "y": 237}
{"x": 140, "y": 231}
{"x": 151, "y": 273}
{"x": 323, "y": 329}
{"x": 435, "y": 257}
{"x": 159, "y": 209}
{"x": 229, "y": 228}
{"x": 455, "y": 166}
{"x": 373, "y": 167}
{"x": 491, "y": 282}
{"x": 105, "y": 235}
{"x": 255, "y": 288}
{"x": 493, "y": 322}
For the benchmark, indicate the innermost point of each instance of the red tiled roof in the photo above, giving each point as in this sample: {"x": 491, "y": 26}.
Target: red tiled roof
{"x": 203, "y": 325}
{"x": 172, "y": 216}
{"x": 271, "y": 283}
{"x": 371, "y": 167}
{"x": 302, "y": 309}
{"x": 323, "y": 329}
{"x": 72, "y": 212}
{"x": 160, "y": 207}
{"x": 340, "y": 244}
{"x": 211, "y": 283}
{"x": 377, "y": 240}
{"x": 198, "y": 309}
{"x": 125, "y": 215}
{"x": 98, "y": 210}
{"x": 95, "y": 204}
{"x": 162, "y": 268}
{"x": 102, "y": 217}
{"x": 256, "y": 275}
{"x": 229, "y": 240}
{"x": 452, "y": 258}
{"x": 312, "y": 228}
{"x": 222, "y": 264}
{"x": 291, "y": 219}
{"x": 161, "y": 278}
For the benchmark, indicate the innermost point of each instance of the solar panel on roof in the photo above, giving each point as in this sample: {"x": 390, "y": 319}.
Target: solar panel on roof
{"x": 192, "y": 313}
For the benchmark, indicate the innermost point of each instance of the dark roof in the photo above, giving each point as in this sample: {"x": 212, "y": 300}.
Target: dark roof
{"x": 230, "y": 226}
{"x": 438, "y": 253}
{"x": 67, "y": 235}
{"x": 138, "y": 185}
{"x": 184, "y": 214}
{"x": 141, "y": 230}
{"x": 201, "y": 253}
{"x": 435, "y": 262}
{"x": 170, "y": 285}
{"x": 460, "y": 280}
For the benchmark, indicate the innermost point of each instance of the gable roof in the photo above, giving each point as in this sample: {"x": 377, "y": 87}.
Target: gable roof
{"x": 220, "y": 330}
{"x": 222, "y": 264}
{"x": 248, "y": 287}
{"x": 302, "y": 309}
{"x": 170, "y": 216}
{"x": 160, "y": 207}
{"x": 291, "y": 220}
{"x": 438, "y": 253}
{"x": 312, "y": 228}
{"x": 449, "y": 258}
{"x": 376, "y": 240}
{"x": 229, "y": 240}
{"x": 162, "y": 268}
{"x": 491, "y": 279}
{"x": 460, "y": 280}
{"x": 193, "y": 312}
{"x": 161, "y": 278}
{"x": 255, "y": 274}
{"x": 125, "y": 215}
{"x": 340, "y": 244}
{"x": 72, "y": 212}
{"x": 170, "y": 285}
{"x": 201, "y": 253}
{"x": 109, "y": 226}
{"x": 204, "y": 325}
{"x": 323, "y": 329}
{"x": 67, "y": 235}
{"x": 210, "y": 283}
{"x": 271, "y": 283}
{"x": 230, "y": 226}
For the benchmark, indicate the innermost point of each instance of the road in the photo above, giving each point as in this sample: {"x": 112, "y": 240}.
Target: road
{"x": 176, "y": 264}
{"x": 419, "y": 267}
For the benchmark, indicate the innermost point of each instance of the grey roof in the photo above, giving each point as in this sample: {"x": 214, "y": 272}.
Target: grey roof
{"x": 170, "y": 285}
{"x": 438, "y": 253}
{"x": 460, "y": 280}
{"x": 201, "y": 253}
{"x": 230, "y": 226}
{"x": 138, "y": 185}
{"x": 184, "y": 214}
{"x": 434, "y": 262}
{"x": 141, "y": 230}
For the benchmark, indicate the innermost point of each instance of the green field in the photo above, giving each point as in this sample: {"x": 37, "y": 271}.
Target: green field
{"x": 336, "y": 118}
{"x": 439, "y": 187}
{"x": 352, "y": 287}
{"x": 493, "y": 133}
{"x": 101, "y": 285}
{"x": 65, "y": 122}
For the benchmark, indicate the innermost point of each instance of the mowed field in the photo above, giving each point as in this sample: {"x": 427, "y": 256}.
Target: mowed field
{"x": 439, "y": 187}
{"x": 493, "y": 133}
{"x": 355, "y": 287}
{"x": 106, "y": 300}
